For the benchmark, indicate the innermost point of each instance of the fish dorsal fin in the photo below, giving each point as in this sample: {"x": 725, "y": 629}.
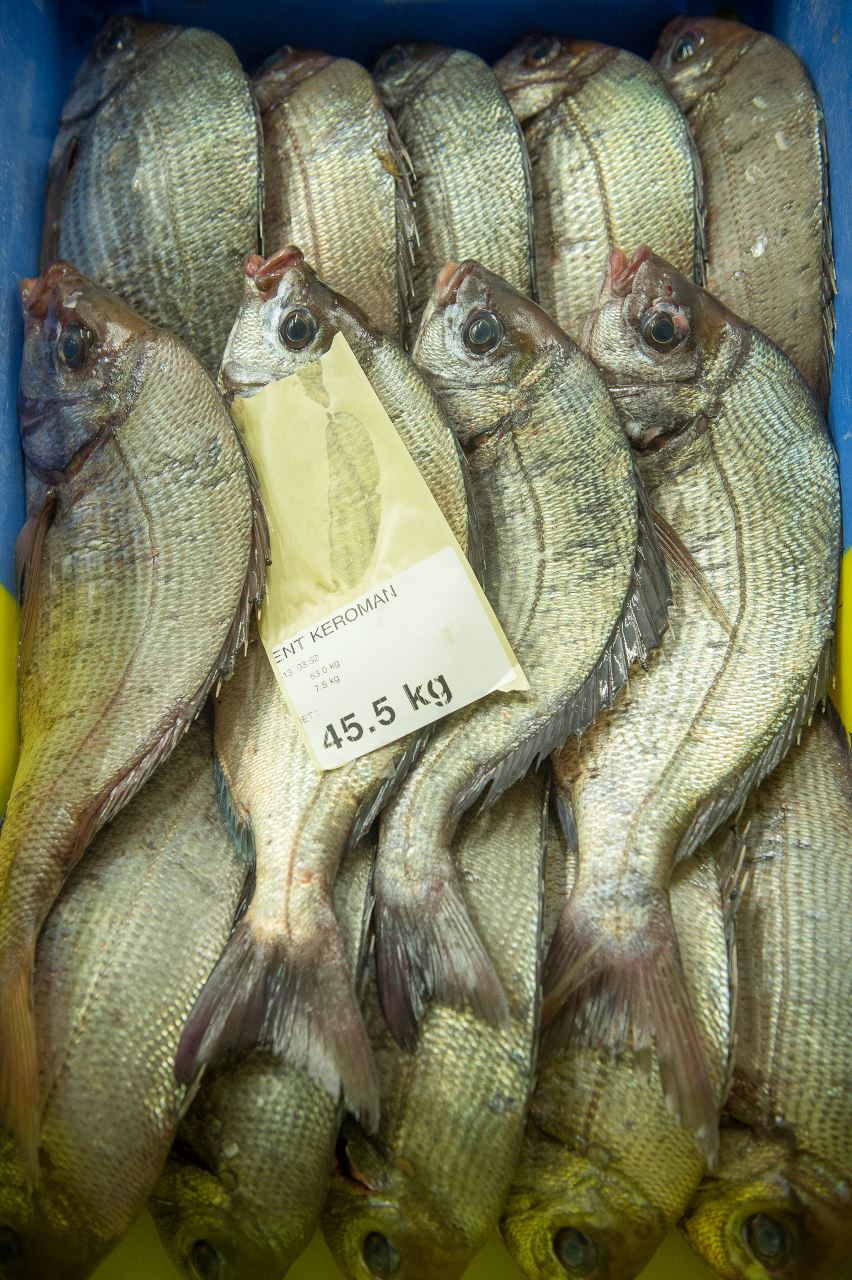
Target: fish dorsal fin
{"x": 29, "y": 558}
{"x": 640, "y": 626}
{"x": 407, "y": 237}
{"x": 373, "y": 804}
{"x": 828, "y": 276}
{"x": 729, "y": 797}
{"x": 679, "y": 556}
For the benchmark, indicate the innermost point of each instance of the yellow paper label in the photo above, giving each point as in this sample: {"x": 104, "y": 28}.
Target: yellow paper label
{"x": 373, "y": 620}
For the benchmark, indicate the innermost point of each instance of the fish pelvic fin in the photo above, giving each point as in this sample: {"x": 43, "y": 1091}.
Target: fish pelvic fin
{"x": 19, "y": 1063}
{"x": 629, "y": 992}
{"x": 297, "y": 1000}
{"x": 428, "y": 949}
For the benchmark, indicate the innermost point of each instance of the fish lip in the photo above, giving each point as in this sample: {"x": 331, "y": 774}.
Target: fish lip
{"x": 622, "y": 270}
{"x": 449, "y": 281}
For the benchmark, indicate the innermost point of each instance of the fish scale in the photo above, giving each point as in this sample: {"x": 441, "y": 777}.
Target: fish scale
{"x": 154, "y": 191}
{"x": 612, "y": 164}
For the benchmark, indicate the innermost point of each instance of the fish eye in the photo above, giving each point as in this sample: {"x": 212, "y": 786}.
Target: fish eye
{"x": 73, "y": 345}
{"x": 207, "y": 1261}
{"x": 577, "y": 1254}
{"x": 768, "y": 1240}
{"x": 381, "y": 1257}
{"x": 542, "y": 51}
{"x": 661, "y": 330}
{"x": 11, "y": 1247}
{"x": 483, "y": 332}
{"x": 687, "y": 46}
{"x": 118, "y": 36}
{"x": 298, "y": 328}
{"x": 392, "y": 59}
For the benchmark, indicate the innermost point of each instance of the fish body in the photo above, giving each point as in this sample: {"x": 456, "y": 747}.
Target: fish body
{"x": 283, "y": 979}
{"x": 736, "y": 459}
{"x": 574, "y": 573}
{"x": 154, "y": 182}
{"x": 245, "y": 1183}
{"x": 606, "y": 1169}
{"x": 758, "y": 125}
{"x": 116, "y": 977}
{"x": 425, "y": 1193}
{"x": 139, "y": 573}
{"x": 612, "y": 163}
{"x": 472, "y": 188}
{"x": 337, "y": 180}
{"x": 779, "y": 1200}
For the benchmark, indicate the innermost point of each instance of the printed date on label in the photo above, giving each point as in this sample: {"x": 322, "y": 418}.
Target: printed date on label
{"x": 413, "y": 697}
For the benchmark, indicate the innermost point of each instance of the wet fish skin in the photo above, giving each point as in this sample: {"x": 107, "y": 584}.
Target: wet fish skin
{"x": 245, "y": 1183}
{"x": 758, "y": 125}
{"x": 433, "y": 1180}
{"x": 285, "y": 960}
{"x": 563, "y": 520}
{"x": 472, "y": 187}
{"x": 786, "y": 1138}
{"x": 736, "y": 458}
{"x": 337, "y": 180}
{"x": 612, "y": 163}
{"x": 155, "y": 178}
{"x": 587, "y": 1178}
{"x": 139, "y": 573}
{"x": 116, "y": 976}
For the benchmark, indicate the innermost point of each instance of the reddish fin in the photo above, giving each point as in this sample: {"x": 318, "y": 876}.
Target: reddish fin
{"x": 18, "y": 1063}
{"x": 427, "y": 948}
{"x": 631, "y": 992}
{"x": 301, "y": 1004}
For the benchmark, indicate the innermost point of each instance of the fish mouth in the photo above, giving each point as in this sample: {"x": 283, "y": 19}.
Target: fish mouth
{"x": 622, "y": 270}
{"x": 268, "y": 274}
{"x": 449, "y": 281}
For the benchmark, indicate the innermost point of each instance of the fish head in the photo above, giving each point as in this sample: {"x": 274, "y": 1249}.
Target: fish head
{"x": 695, "y": 54}
{"x": 283, "y": 70}
{"x": 288, "y": 319}
{"x": 485, "y": 346}
{"x": 83, "y": 362}
{"x": 769, "y": 1213}
{"x": 665, "y": 347}
{"x": 568, "y": 1216}
{"x": 403, "y": 69}
{"x": 379, "y": 1223}
{"x": 210, "y": 1232}
{"x": 118, "y": 51}
{"x": 534, "y": 73}
{"x": 42, "y": 1232}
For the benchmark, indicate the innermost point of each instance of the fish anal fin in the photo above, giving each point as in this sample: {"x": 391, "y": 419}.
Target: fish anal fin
{"x": 297, "y": 1000}
{"x": 428, "y": 949}
{"x": 629, "y": 991}
{"x": 18, "y": 1062}
{"x": 679, "y": 556}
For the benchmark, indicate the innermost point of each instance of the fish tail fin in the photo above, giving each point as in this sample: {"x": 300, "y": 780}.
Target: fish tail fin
{"x": 427, "y": 948}
{"x": 299, "y": 1000}
{"x": 627, "y": 989}
{"x": 19, "y": 1062}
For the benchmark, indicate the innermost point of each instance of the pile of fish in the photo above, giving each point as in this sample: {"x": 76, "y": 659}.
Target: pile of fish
{"x": 575, "y": 963}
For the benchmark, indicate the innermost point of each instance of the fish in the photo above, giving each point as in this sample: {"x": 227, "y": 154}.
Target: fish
{"x": 140, "y": 568}
{"x": 779, "y": 1200}
{"x": 593, "y": 1194}
{"x": 736, "y": 459}
{"x": 283, "y": 980}
{"x": 419, "y": 1199}
{"x": 337, "y": 180}
{"x": 472, "y": 196}
{"x": 612, "y": 161}
{"x": 564, "y": 521}
{"x": 758, "y": 123}
{"x": 116, "y": 976}
{"x": 243, "y": 1188}
{"x": 154, "y": 185}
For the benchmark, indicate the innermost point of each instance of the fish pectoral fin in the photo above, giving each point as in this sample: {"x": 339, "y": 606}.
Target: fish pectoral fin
{"x": 428, "y": 949}
{"x": 299, "y": 1001}
{"x": 18, "y": 1062}
{"x": 681, "y": 559}
{"x": 565, "y": 813}
{"x": 630, "y": 992}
